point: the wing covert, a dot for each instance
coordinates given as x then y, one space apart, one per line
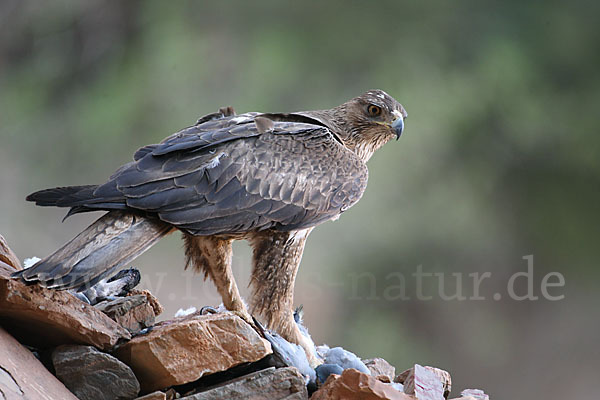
233 179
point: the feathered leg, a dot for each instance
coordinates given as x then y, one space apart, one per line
276 260
213 257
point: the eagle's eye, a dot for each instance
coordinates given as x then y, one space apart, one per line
373 110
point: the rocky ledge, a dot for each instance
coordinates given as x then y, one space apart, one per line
55 345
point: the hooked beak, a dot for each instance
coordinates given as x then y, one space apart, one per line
398 124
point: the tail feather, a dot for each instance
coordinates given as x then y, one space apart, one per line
109 243
80 198
68 196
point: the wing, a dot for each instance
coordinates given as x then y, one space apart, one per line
234 175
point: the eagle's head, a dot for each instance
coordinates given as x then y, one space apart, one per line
362 124
367 122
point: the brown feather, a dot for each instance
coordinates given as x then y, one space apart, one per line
269 178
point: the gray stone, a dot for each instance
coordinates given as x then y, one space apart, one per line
273 384
91 374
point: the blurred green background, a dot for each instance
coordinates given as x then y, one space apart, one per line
499 160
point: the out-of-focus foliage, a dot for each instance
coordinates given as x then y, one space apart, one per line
499 159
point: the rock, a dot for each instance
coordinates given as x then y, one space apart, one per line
153 301
91 374
471 397
158 395
444 377
425 383
353 384
476 394
378 367
185 349
22 376
7 256
28 310
281 383
133 313
6 269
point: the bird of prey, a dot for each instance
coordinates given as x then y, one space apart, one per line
268 178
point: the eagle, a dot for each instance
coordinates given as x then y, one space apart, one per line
268 178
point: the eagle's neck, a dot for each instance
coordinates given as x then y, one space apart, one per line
360 143
364 149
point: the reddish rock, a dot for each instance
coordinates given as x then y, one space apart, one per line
153 301
281 383
6 269
353 384
133 313
26 311
379 367
7 256
383 378
22 376
185 349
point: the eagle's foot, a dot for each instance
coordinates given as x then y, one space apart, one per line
309 349
290 329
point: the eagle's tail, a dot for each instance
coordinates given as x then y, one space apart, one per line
109 243
67 196
80 198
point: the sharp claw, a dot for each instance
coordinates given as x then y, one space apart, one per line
208 310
